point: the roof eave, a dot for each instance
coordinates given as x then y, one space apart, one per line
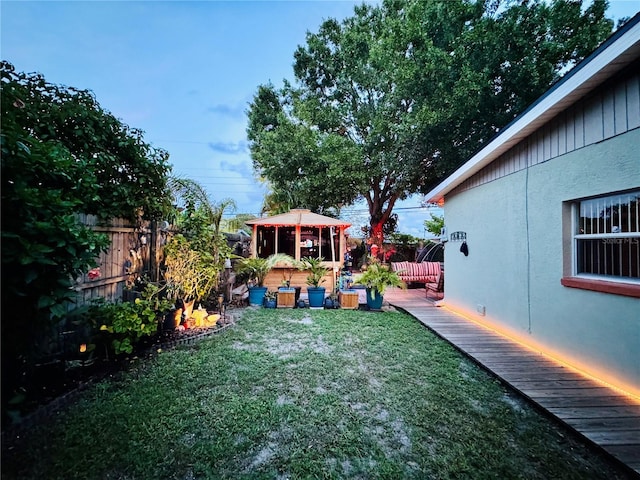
297 217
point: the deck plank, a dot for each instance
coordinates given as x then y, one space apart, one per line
611 424
571 414
600 414
572 392
542 383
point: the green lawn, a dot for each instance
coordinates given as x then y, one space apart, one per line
296 394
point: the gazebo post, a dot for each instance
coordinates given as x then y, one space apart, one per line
332 234
254 242
296 249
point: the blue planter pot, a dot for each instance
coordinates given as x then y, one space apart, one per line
316 297
374 299
256 295
271 303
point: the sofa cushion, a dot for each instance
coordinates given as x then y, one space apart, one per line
424 272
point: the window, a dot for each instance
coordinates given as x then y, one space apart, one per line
325 243
309 242
606 242
287 240
314 241
266 241
607 237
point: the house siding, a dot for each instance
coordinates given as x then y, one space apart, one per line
598 117
512 212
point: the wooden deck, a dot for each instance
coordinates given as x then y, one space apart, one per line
599 413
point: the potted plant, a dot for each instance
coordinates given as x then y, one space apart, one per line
315 276
376 279
286 295
253 272
286 287
270 300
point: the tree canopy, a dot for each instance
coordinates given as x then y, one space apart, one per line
394 98
201 220
118 174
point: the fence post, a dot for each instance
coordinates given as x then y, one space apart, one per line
154 252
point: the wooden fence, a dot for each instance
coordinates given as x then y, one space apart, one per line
134 251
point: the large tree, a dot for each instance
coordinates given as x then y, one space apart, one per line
299 161
391 100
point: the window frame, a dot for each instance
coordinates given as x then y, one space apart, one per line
617 285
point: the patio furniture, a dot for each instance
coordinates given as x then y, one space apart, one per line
436 287
423 272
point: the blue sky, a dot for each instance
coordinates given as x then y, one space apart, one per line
184 73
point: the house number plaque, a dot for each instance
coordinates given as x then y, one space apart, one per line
458 236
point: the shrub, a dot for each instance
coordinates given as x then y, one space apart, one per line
316 268
61 154
378 277
190 274
120 326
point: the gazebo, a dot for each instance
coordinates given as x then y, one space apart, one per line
298 233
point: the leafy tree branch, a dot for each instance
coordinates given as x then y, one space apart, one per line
391 100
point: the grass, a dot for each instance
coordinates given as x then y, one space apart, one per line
304 394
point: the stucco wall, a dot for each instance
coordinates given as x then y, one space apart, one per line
514 232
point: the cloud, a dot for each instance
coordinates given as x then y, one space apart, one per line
229 148
242 168
225 110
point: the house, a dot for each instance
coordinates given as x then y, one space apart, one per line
299 233
543 224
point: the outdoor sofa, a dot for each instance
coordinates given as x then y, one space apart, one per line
429 273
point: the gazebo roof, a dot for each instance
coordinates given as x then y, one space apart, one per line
299 216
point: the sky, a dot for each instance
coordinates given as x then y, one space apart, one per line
185 72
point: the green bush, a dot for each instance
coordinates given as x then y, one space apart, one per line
61 154
120 326
378 277
316 268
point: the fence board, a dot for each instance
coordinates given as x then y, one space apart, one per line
125 259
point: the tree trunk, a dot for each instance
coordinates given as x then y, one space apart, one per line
379 216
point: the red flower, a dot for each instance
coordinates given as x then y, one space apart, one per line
94 273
